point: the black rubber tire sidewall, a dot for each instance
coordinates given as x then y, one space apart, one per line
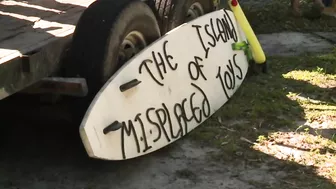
144 23
174 12
97 39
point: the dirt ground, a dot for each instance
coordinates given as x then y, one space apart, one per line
42 152
41 149
46 153
38 156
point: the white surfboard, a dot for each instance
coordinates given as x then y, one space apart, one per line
167 90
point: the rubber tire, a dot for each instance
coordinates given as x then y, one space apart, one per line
173 13
97 38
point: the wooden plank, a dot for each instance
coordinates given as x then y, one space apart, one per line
330 10
17 74
26 26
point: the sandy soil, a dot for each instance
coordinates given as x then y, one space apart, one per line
38 154
43 152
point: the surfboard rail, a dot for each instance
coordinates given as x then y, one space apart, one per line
155 102
169 88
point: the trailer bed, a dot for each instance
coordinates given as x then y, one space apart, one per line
26 26
33 37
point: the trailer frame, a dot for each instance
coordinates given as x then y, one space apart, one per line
37 69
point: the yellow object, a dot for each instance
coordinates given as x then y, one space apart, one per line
257 51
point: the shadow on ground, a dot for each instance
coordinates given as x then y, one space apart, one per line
41 148
44 152
269 109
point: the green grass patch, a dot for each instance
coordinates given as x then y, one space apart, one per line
275 16
267 111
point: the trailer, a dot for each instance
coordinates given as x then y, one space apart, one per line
71 47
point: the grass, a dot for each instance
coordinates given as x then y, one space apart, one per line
287 114
275 16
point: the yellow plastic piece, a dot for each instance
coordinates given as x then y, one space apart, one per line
257 51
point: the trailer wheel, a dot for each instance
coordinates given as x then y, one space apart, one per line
107 35
173 13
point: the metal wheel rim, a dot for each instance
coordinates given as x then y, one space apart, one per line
132 44
194 11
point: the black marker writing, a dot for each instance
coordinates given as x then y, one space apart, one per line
205 103
160 62
129 130
228 78
168 122
221 30
197 67
206 49
213 44
164 120
144 137
158 128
